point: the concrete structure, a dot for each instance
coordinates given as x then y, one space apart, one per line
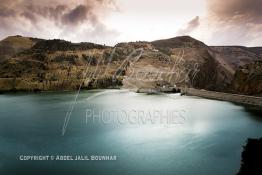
244 99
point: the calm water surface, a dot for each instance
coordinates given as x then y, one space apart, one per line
206 137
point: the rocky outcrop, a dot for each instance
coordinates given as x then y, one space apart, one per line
228 59
248 79
251 158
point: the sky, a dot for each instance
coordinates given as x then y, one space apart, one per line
215 22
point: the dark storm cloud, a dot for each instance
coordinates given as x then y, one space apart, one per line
78 15
52 12
239 11
237 21
191 25
65 12
30 16
36 17
6 12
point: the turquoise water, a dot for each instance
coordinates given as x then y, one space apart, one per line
205 136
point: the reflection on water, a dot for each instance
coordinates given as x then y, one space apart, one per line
207 139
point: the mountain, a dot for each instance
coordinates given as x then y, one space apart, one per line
31 64
179 42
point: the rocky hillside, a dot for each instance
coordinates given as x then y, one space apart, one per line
248 79
257 50
58 65
231 59
12 45
41 65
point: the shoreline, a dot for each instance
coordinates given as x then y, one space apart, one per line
52 91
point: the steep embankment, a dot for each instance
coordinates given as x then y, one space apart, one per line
195 66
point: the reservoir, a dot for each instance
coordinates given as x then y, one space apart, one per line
124 132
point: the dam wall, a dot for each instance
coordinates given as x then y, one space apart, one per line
244 99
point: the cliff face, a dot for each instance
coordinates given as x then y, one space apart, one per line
248 79
229 58
180 61
43 65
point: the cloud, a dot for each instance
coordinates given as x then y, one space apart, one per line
191 26
77 15
236 11
52 12
235 21
6 12
53 18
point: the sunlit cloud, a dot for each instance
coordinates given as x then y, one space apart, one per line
215 22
